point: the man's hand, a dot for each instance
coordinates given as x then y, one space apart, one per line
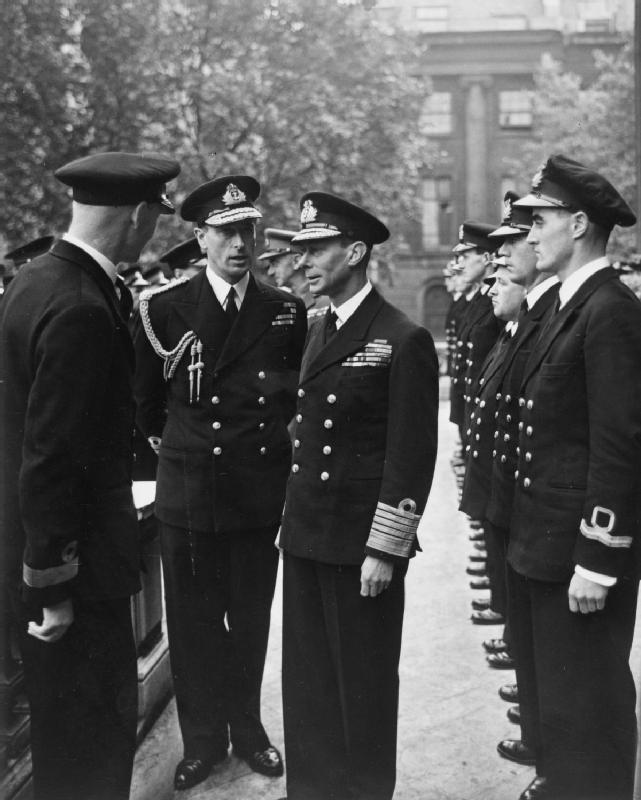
55 622
376 576
585 595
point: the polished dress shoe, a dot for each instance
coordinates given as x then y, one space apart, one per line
500 660
480 583
509 693
514 714
494 645
480 605
537 790
479 546
476 524
487 617
190 772
477 536
477 571
268 761
478 557
515 750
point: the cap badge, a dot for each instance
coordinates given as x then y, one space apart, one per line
233 195
507 210
308 213
537 180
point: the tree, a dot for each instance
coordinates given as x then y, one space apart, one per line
301 93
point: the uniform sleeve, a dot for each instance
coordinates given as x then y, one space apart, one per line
410 452
61 424
612 351
149 385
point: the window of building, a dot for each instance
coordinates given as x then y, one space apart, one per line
515 109
594 15
436 119
438 212
432 17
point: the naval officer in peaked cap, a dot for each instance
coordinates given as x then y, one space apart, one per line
573 547
218 359
364 452
70 532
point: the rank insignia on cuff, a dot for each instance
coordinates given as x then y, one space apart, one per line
393 529
52 576
602 533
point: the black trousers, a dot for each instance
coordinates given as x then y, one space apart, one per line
577 690
82 693
496 545
340 682
218 592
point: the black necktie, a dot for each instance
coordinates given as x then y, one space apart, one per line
125 300
231 309
330 325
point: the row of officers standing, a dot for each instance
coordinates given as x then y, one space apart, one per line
544 354
320 431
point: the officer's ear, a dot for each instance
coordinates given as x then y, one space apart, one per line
357 252
200 236
580 223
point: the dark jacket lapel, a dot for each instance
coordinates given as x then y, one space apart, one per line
255 315
202 313
561 318
349 338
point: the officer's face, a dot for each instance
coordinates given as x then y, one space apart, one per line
474 265
552 239
520 260
281 268
327 267
229 248
506 295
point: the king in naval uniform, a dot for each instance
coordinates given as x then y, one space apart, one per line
364 452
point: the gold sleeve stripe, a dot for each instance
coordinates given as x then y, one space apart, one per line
42 578
393 530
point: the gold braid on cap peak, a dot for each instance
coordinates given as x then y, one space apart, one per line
170 357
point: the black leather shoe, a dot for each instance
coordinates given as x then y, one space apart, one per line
476 524
267 762
477 536
480 583
478 571
509 693
478 557
480 605
500 660
487 617
514 714
479 546
515 750
537 790
190 772
494 645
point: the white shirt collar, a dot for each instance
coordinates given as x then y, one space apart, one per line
575 281
108 266
511 326
346 309
537 292
221 287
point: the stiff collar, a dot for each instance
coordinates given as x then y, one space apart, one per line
537 292
346 309
575 281
108 266
221 287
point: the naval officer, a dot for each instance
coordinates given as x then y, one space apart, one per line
70 534
573 541
218 359
364 452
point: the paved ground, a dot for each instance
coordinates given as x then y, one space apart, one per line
450 716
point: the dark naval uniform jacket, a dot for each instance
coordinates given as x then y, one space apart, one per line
220 403
67 421
508 408
579 469
480 434
365 438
